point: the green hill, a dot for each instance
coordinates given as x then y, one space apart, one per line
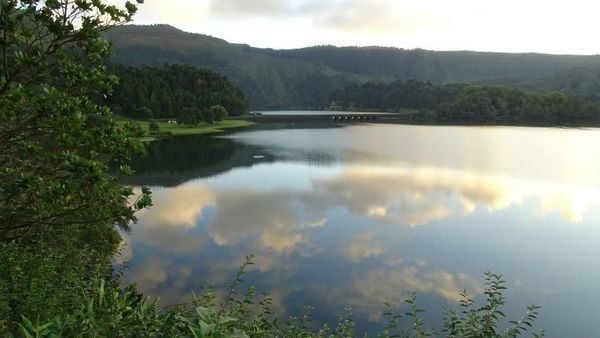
166 92
305 78
267 81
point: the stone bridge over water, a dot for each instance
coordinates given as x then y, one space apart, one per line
341 117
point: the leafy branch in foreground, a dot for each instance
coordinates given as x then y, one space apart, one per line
57 142
471 321
112 311
61 155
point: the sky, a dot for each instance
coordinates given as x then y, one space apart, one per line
550 26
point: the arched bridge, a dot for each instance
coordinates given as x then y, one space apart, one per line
327 116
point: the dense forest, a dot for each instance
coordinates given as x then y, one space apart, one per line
504 105
461 103
394 96
173 91
305 78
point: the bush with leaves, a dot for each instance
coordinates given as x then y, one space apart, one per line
471 321
218 112
56 192
153 127
57 143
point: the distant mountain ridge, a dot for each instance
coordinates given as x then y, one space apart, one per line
305 78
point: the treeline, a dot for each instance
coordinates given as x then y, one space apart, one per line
174 91
462 103
394 96
507 105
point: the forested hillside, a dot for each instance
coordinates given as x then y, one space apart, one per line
490 105
305 78
267 81
167 91
470 104
394 96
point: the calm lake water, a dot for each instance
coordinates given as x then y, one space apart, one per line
358 214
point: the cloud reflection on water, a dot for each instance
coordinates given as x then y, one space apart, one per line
271 216
364 245
366 290
178 207
282 219
284 227
396 285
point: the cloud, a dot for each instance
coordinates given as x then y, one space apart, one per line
416 196
171 240
362 246
570 208
170 224
365 16
149 275
250 7
179 207
495 194
386 16
270 218
163 278
268 262
412 196
366 292
283 220
396 285
185 12
432 24
281 224
352 16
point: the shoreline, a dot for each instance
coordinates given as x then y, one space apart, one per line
171 130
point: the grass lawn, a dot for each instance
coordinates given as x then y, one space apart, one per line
201 128
177 129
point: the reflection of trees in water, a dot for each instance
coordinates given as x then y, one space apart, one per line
172 161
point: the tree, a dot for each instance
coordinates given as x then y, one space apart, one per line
154 127
59 202
188 116
208 116
218 112
162 92
57 143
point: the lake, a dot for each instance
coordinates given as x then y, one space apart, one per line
354 215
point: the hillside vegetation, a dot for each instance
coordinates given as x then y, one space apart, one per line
305 78
469 103
170 90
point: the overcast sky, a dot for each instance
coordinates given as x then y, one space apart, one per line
548 26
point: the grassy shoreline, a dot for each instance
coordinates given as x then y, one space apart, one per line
170 129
